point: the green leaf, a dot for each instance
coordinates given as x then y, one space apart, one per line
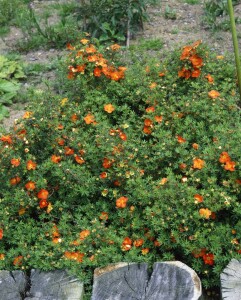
7 86
3 112
7 97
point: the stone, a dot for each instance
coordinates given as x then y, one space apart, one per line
231 281
12 285
54 285
169 280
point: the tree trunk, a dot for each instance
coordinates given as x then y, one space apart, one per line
169 280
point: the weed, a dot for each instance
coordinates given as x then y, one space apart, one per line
170 13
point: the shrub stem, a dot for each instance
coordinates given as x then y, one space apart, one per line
235 43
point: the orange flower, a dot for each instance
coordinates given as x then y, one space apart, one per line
55 159
30 186
196 61
90 49
68 151
115 47
97 72
21 211
56 240
15 180
163 181
27 115
126 244
49 208
138 242
109 108
199 253
74 118
198 198
198 163
15 162
43 203
148 122
117 183
31 165
18 260
144 251
70 47
70 75
224 158
83 234
122 69
61 142
84 41
2 256
213 94
147 69
89 118
116 75
195 73
107 163
195 146
123 136
181 139
205 213
74 256
208 259
43 194
79 159
104 216
150 109
184 73
121 202
186 52
158 119
60 127
153 85
1 233
157 243
103 175
209 78
230 166
182 166
6 139
147 130
161 74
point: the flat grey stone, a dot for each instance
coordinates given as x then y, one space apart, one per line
12 285
169 281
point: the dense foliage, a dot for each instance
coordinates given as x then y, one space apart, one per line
136 163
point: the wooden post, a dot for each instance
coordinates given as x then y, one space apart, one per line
231 280
169 280
235 44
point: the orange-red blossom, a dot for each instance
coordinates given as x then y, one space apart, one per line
225 159
121 202
126 244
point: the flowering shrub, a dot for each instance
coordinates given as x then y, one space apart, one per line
132 164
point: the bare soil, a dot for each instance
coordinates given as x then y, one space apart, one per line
187 27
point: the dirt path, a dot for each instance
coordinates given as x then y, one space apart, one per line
188 26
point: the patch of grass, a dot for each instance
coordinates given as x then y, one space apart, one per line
152 44
170 13
174 31
192 2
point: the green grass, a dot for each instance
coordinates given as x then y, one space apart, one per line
146 45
